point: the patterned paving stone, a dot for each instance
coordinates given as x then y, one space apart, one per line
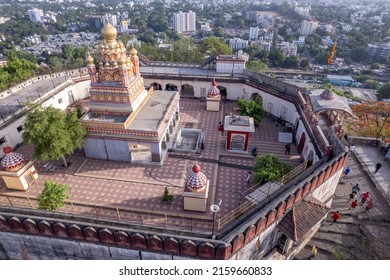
136 190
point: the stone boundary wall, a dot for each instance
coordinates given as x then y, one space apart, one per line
174 245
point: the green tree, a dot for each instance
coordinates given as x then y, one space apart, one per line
276 57
53 133
269 168
384 91
212 45
53 196
291 62
304 63
359 54
256 66
251 109
371 84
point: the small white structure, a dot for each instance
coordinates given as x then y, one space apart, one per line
17 174
196 190
213 98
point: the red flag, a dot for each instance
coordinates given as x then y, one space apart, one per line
332 52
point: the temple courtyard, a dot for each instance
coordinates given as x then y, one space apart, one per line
131 193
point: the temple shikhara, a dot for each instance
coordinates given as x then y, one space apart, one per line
126 121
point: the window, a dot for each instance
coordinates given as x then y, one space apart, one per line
269 107
29 178
60 101
283 113
20 128
2 140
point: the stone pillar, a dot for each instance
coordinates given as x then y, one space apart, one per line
174 123
156 152
170 128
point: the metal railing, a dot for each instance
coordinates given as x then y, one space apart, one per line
129 215
248 204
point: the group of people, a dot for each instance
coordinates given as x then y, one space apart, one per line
364 199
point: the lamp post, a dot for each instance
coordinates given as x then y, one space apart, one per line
214 208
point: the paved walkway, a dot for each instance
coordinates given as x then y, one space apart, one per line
357 234
138 189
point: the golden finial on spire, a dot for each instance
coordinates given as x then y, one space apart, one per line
89 59
133 51
109 32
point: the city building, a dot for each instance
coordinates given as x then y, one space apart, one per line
184 22
308 27
4 20
287 48
231 64
379 50
254 33
300 43
124 122
35 15
112 19
238 43
341 80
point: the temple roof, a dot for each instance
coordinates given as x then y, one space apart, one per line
327 100
11 159
301 219
196 179
214 90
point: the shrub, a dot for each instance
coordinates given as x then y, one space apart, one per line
53 196
251 109
269 168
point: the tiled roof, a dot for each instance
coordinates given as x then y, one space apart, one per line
196 179
301 219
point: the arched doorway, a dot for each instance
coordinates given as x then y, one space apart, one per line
257 97
187 91
301 142
223 92
237 143
156 86
170 87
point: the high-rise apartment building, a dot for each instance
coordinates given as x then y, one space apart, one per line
308 27
254 33
184 22
35 15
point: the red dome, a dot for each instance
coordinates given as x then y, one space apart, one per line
196 168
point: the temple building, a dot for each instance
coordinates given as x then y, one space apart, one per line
17 174
126 121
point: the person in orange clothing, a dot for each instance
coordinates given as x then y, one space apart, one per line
335 216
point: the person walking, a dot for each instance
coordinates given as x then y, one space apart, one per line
254 150
346 172
377 167
288 148
351 149
369 205
364 197
249 177
355 189
346 138
314 251
353 205
335 216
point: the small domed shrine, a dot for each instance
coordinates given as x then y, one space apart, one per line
126 121
196 190
213 98
17 174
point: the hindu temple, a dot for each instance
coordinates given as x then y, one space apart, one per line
126 121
